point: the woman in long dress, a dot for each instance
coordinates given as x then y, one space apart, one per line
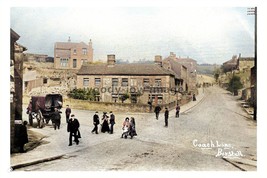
105 127
132 128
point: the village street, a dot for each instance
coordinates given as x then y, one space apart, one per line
216 134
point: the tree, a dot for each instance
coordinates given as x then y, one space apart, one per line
235 84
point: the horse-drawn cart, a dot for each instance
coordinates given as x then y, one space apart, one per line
42 108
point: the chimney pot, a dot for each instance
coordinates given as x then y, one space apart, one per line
111 60
158 60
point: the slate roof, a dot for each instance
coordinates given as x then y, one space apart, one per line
175 66
232 61
69 45
124 69
185 60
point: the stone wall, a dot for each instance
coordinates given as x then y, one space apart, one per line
111 106
108 106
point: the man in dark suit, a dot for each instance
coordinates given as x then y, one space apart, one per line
56 120
67 112
166 114
157 110
73 126
95 122
112 122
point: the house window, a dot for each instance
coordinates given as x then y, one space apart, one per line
86 82
115 82
133 98
97 81
157 82
64 62
146 82
74 63
155 98
124 82
45 81
84 50
84 61
74 51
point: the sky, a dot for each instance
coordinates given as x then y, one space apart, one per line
206 34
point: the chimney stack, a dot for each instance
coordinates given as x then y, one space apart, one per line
111 60
158 60
172 55
90 43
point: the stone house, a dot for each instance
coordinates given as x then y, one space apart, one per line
143 82
230 65
69 55
180 70
31 80
186 68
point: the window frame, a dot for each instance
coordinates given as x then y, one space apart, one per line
86 82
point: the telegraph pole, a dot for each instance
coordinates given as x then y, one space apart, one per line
253 11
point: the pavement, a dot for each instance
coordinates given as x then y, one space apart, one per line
55 144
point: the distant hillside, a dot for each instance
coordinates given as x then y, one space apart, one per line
207 69
205 79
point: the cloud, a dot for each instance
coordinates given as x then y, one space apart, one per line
207 34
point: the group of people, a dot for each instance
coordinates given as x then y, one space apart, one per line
128 128
107 122
166 113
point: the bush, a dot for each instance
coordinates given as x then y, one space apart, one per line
235 84
83 94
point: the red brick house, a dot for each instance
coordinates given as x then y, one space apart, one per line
69 55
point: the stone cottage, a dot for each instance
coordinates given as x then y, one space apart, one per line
143 82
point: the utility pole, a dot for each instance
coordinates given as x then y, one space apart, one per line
253 11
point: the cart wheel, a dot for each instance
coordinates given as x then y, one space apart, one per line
41 123
40 119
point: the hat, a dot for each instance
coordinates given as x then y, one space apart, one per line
96 112
110 112
72 115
